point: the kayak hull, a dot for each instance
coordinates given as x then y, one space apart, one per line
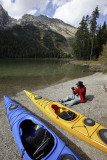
84 128
17 116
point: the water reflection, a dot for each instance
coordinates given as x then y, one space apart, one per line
19 74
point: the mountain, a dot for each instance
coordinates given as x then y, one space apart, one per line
31 42
34 36
41 21
32 20
58 26
55 25
5 19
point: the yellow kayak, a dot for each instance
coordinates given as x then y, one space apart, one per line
75 123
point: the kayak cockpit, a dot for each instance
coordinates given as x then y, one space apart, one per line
37 141
63 113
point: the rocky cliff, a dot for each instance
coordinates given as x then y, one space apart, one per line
44 22
41 21
34 36
5 19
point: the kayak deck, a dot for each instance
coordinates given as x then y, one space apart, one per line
34 140
75 123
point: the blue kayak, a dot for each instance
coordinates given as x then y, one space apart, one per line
35 141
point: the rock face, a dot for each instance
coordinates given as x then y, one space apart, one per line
43 22
58 26
49 36
29 19
5 19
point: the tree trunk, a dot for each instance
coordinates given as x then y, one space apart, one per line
92 48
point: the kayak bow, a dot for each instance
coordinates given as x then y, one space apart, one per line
84 128
35 141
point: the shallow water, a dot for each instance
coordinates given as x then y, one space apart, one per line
30 74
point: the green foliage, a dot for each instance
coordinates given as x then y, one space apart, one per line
82 40
101 39
93 21
93 29
26 42
90 38
103 56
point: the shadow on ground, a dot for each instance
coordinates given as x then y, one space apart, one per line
89 97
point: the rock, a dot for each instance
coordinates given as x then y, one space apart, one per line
5 19
41 21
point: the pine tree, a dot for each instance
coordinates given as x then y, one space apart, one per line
81 43
101 39
104 33
93 29
98 47
90 37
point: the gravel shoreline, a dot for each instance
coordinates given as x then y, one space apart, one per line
94 108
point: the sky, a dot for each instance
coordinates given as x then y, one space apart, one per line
69 11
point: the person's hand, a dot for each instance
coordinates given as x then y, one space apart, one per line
74 88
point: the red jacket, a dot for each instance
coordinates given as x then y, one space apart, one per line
81 92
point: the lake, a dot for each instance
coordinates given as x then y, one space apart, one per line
32 74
